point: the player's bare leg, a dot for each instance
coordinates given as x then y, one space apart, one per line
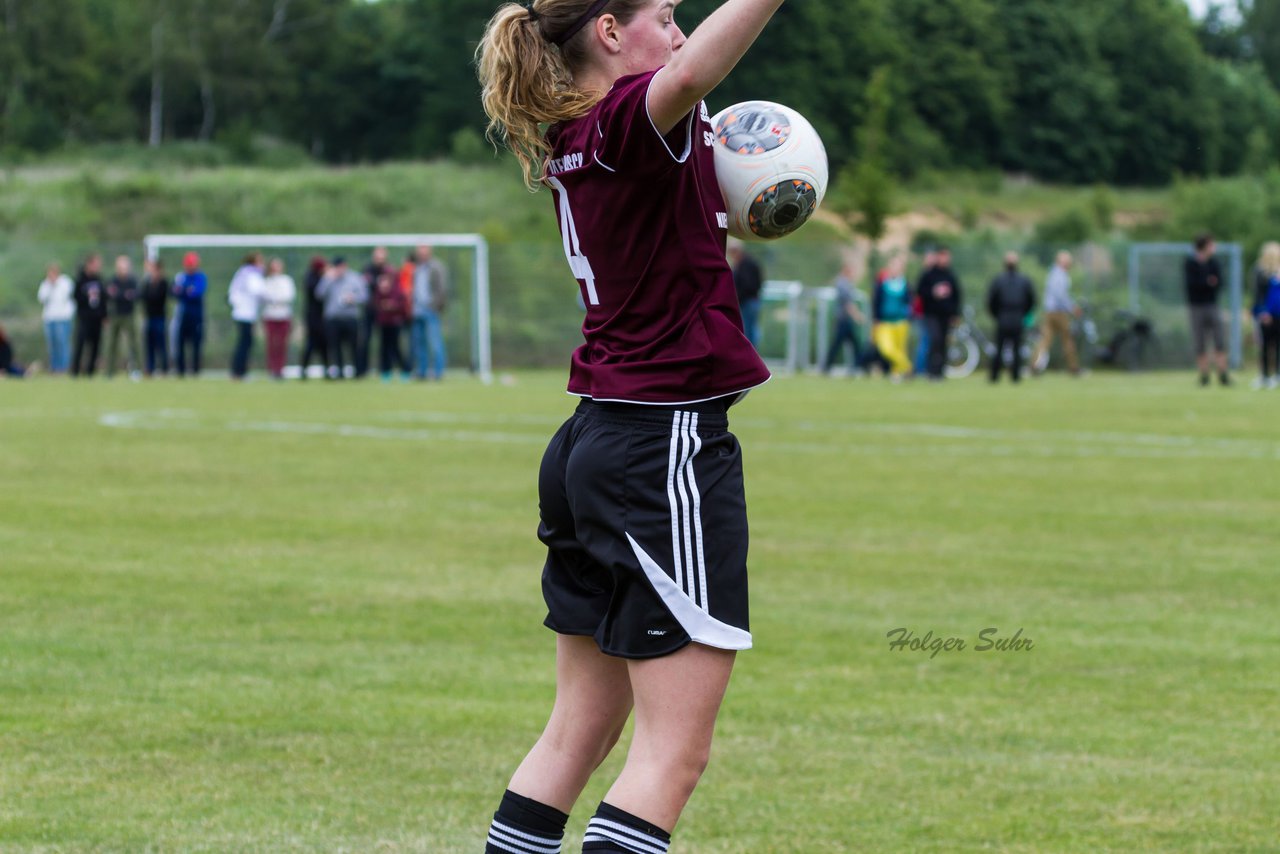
677 698
593 701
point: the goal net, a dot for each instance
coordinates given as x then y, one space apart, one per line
466 322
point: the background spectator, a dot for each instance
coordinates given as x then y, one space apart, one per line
91 314
122 296
920 362
245 295
376 267
1010 299
848 318
155 299
57 298
9 367
278 294
940 301
1204 284
189 287
1266 308
391 312
890 313
345 294
430 299
317 341
1059 308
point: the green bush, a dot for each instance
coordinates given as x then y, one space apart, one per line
1102 205
469 148
1244 210
1069 227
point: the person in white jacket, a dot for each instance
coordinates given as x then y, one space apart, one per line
57 296
245 297
278 294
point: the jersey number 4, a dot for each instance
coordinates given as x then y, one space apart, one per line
578 262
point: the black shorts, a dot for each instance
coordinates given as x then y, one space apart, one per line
645 521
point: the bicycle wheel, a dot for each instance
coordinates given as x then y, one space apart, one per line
963 355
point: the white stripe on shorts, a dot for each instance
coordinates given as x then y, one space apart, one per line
686 458
701 590
672 468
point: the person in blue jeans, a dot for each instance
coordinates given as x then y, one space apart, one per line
189 287
849 318
155 299
57 296
430 299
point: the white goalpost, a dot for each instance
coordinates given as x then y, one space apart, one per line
481 335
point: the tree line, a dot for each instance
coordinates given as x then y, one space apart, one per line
1077 91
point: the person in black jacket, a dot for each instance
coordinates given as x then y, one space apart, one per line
155 298
1010 299
1204 284
317 342
91 314
940 301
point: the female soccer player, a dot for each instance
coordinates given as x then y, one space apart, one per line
642 505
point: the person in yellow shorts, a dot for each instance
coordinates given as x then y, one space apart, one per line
890 316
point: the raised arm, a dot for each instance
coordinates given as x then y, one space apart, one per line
706 58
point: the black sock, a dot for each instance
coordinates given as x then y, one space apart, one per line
524 826
612 830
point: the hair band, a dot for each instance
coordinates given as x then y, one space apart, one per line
596 8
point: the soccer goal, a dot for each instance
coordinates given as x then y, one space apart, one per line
465 255
784 326
1157 293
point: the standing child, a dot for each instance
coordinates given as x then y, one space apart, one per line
643 509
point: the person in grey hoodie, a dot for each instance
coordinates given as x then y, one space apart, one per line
430 297
1059 308
345 294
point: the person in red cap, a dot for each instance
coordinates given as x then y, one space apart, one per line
189 287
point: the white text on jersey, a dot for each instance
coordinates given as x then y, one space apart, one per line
559 165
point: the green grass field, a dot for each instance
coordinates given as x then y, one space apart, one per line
306 617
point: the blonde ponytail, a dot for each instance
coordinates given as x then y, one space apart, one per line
527 82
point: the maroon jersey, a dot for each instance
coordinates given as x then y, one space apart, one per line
644 229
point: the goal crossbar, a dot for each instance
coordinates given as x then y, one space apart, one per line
482 345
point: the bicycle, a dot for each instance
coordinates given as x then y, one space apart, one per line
968 345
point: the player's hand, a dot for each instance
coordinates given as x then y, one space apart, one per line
1265 318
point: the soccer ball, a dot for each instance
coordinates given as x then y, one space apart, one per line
771 166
